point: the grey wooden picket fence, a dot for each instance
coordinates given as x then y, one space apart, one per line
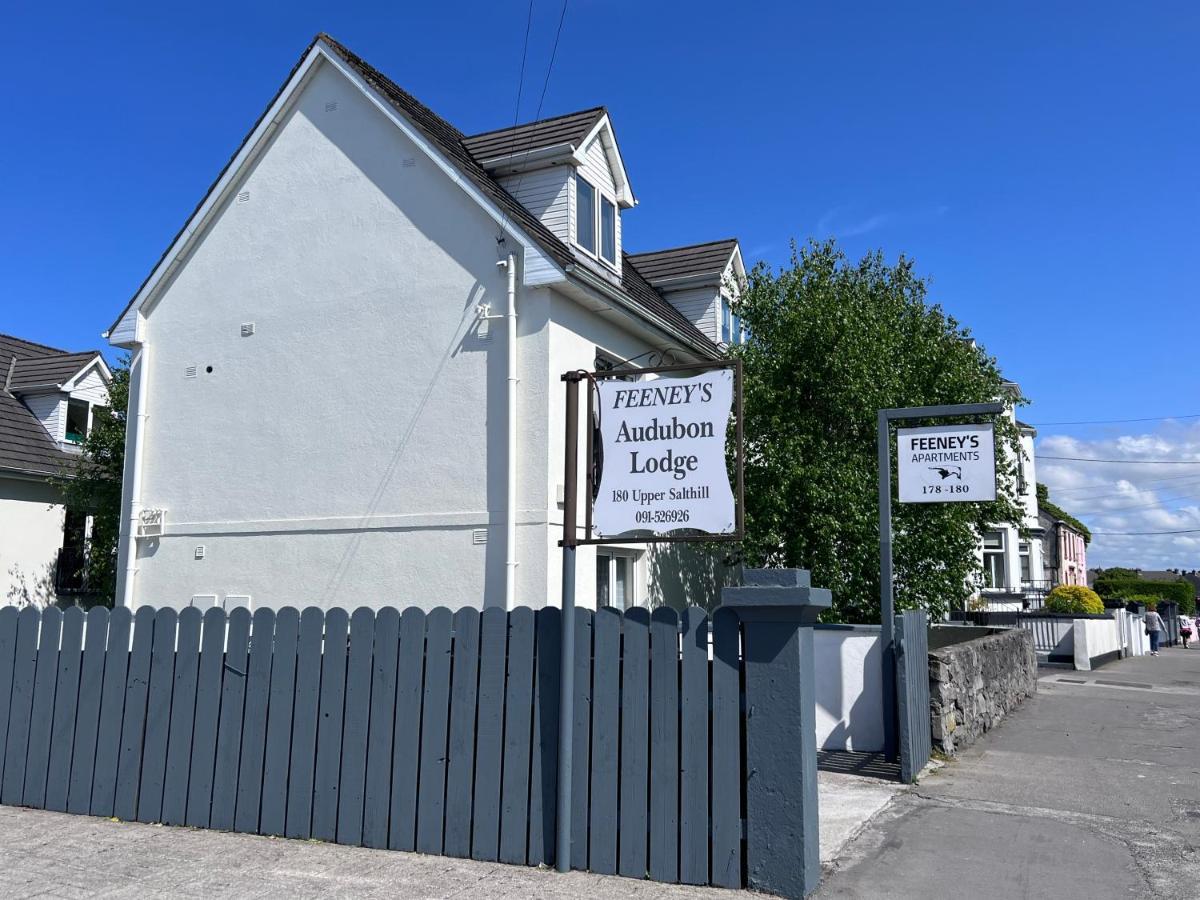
430 731
912 692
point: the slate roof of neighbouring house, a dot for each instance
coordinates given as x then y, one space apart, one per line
571 128
24 444
453 143
682 262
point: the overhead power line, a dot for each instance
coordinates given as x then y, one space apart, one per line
1140 485
1130 462
1142 533
1117 421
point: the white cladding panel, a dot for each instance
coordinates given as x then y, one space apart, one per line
546 194
92 388
51 410
596 169
702 308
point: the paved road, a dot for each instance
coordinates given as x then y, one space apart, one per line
1089 790
44 854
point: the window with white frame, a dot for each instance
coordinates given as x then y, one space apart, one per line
726 321
595 221
77 420
993 560
615 578
1026 569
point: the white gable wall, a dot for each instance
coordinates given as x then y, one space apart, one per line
31 523
348 450
91 387
545 193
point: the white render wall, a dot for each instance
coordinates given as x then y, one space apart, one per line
31 533
849 689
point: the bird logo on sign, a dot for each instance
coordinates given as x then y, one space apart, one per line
946 472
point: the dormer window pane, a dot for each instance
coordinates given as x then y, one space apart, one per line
726 322
77 421
608 230
585 215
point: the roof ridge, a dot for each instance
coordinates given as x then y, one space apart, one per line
13 337
578 112
730 240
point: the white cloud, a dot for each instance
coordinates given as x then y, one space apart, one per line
1133 495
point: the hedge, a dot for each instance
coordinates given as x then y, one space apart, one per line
1074 598
1181 592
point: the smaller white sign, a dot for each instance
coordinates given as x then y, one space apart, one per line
663 442
946 463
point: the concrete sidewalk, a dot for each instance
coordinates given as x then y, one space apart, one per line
48 854
1090 790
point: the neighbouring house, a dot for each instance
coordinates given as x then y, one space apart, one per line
1014 574
346 368
49 400
1064 544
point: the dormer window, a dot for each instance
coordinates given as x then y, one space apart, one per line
595 215
77 420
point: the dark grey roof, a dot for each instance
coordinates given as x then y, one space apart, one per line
571 128
22 349
452 142
46 371
681 262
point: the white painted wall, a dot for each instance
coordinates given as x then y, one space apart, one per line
849 690
1094 638
31 533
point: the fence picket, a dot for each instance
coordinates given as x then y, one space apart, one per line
183 718
435 710
664 745
518 722
354 732
543 787
635 744
254 722
91 681
273 818
8 655
582 738
45 675
229 727
21 708
112 712
460 767
208 708
407 748
304 724
158 716
726 850
66 710
485 828
694 749
329 728
378 800
606 735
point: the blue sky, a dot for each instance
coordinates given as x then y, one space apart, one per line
1038 160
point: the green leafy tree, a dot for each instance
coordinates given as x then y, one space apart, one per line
831 343
93 487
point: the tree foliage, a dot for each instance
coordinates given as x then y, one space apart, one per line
831 343
1043 495
1117 587
93 487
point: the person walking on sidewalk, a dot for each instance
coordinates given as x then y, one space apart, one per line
1154 627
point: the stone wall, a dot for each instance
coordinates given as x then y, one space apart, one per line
973 685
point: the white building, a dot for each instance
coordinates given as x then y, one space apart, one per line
49 400
346 369
1013 564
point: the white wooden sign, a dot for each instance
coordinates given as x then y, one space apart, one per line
947 463
663 441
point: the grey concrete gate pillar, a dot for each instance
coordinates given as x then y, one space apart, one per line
777 608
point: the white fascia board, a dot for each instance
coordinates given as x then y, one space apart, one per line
534 257
128 331
523 160
625 198
70 384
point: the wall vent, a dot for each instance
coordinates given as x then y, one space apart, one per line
479 536
201 552
331 106
237 601
243 196
408 162
190 372
247 329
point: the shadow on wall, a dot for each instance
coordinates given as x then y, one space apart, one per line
683 575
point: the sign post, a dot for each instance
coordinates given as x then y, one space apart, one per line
659 475
938 464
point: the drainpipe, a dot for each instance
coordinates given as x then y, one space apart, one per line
510 535
134 441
